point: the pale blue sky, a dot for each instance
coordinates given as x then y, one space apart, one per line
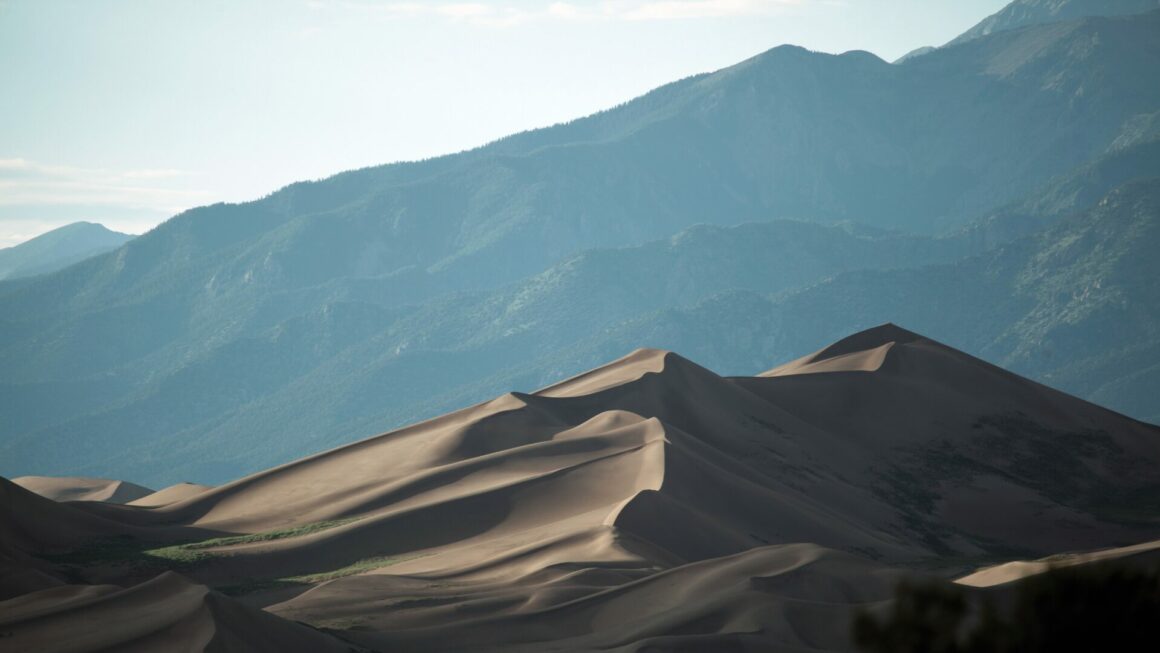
128 111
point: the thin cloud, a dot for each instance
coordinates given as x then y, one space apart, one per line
30 184
499 14
692 9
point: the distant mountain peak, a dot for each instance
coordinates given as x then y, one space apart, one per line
58 249
785 49
1026 13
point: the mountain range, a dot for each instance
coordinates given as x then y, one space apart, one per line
997 193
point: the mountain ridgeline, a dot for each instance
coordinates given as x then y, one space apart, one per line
1026 13
58 249
743 216
1074 305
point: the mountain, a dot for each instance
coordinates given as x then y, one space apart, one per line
733 297
1072 305
58 249
917 52
434 284
646 504
351 365
1027 13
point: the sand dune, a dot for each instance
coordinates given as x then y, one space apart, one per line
647 503
1145 554
31 522
82 489
171 494
797 597
151 616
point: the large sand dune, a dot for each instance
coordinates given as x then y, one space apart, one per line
83 489
171 494
162 614
648 503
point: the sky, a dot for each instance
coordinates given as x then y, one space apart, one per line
126 112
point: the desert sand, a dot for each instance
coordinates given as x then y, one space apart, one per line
83 489
168 495
647 504
1145 555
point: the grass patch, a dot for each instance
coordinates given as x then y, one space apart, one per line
269 536
343 623
176 556
349 570
257 585
147 556
127 550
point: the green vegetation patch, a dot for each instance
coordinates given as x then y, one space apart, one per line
131 551
268 536
350 570
146 556
260 584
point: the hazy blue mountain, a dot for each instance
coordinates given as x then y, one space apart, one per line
744 298
1135 154
1075 306
927 146
1026 13
350 366
917 52
235 336
57 249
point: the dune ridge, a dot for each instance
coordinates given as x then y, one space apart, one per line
164 610
83 489
167 495
647 503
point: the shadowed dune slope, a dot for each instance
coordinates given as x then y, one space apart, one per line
647 504
797 596
167 613
854 447
33 523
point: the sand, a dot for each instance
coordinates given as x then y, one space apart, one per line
1145 555
152 616
82 489
171 494
647 503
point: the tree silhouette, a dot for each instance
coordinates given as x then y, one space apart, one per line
1101 608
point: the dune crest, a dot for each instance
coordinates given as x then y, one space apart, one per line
1145 554
83 489
172 494
650 502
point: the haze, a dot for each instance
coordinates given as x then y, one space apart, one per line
128 112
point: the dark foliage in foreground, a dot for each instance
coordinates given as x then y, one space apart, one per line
1070 609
